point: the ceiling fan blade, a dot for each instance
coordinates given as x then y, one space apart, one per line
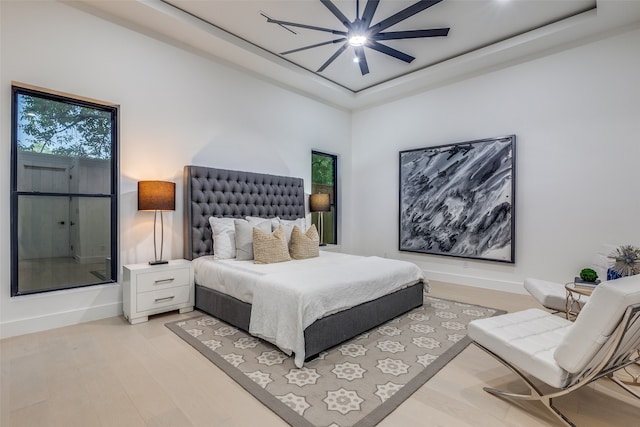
412 34
309 27
369 11
404 14
362 60
334 9
313 45
390 51
333 57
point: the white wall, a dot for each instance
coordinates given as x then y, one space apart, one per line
576 115
176 108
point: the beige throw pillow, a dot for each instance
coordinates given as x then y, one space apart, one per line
270 247
305 245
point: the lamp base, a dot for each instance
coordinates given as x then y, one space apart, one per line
158 262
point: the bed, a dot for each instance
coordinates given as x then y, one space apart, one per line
236 194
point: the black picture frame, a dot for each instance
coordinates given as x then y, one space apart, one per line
459 200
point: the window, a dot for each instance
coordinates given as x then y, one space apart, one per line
64 182
324 168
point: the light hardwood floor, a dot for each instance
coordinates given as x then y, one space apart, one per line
109 373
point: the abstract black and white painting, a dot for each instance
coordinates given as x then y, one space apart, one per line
459 199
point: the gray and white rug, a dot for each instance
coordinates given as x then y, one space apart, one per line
357 383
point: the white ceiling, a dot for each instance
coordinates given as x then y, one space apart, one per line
483 34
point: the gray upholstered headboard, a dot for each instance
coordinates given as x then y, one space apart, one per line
234 194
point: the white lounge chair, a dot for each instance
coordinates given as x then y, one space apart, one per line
563 354
553 295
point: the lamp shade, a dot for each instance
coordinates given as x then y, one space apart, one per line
319 203
156 196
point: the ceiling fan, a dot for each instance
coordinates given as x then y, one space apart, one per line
360 33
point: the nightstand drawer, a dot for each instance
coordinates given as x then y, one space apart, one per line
162 279
163 298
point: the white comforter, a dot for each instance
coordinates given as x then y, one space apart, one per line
288 297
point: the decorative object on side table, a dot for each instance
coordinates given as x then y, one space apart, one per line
148 290
157 196
588 277
627 262
320 203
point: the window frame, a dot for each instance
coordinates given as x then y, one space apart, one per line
18 89
334 202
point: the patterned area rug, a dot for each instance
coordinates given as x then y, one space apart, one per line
357 383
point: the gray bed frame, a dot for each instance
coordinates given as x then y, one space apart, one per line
235 194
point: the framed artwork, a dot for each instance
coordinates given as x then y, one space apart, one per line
459 200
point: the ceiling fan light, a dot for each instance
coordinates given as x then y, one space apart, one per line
357 40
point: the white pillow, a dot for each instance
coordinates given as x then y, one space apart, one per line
244 236
288 224
224 237
275 222
300 222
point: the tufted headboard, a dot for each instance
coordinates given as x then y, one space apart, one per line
234 194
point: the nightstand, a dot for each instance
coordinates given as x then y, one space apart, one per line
152 289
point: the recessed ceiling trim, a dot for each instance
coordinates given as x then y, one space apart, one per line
170 24
165 6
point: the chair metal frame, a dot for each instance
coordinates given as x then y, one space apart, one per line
616 353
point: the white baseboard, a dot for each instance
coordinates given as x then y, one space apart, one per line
58 320
86 314
475 281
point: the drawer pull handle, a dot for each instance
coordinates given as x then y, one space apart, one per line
159 281
165 298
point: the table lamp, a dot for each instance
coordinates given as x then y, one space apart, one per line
320 203
157 196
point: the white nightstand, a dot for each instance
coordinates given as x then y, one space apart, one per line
152 289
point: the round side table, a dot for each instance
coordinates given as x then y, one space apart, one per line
575 298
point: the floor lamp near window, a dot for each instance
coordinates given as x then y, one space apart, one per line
157 196
320 203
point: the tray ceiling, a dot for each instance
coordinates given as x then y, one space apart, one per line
473 25
483 34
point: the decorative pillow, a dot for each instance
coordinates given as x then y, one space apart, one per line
224 237
275 222
288 224
270 247
244 237
300 222
305 245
